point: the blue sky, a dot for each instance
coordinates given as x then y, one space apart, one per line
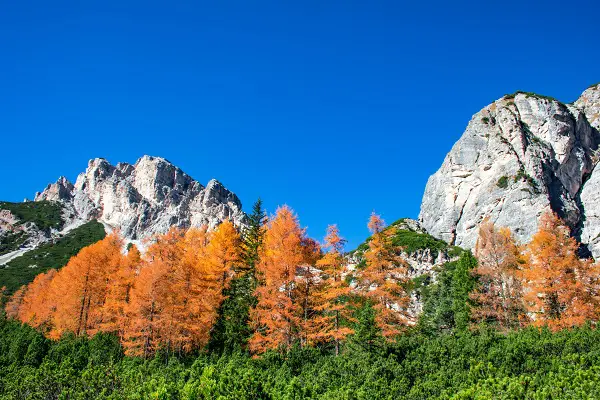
335 108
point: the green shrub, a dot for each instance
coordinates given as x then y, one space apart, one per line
502 182
480 364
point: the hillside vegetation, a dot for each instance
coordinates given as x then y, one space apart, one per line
269 315
44 214
56 254
410 240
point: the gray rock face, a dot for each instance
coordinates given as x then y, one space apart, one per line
589 102
518 157
143 199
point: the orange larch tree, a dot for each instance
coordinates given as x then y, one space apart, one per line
119 292
140 331
560 289
39 301
276 318
81 287
307 280
225 252
155 298
383 280
175 299
499 296
331 297
200 290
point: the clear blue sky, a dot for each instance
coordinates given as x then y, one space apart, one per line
336 108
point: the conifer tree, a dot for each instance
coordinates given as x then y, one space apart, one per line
498 295
81 287
14 304
308 280
367 334
119 293
560 289
332 295
254 234
276 317
463 283
175 299
232 329
383 279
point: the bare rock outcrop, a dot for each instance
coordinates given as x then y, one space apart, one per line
143 199
519 156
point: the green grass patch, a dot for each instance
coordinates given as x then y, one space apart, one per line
411 241
19 271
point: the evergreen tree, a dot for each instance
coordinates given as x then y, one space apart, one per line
462 285
446 304
232 330
253 236
367 335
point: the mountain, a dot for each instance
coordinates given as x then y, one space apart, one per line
519 156
139 200
143 199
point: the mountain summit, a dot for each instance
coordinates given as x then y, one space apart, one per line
142 199
519 156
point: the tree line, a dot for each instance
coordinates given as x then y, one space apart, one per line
268 287
271 287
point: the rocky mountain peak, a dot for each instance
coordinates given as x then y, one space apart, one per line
145 198
61 190
519 156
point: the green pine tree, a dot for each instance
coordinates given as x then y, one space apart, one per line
232 330
253 235
463 283
367 336
446 304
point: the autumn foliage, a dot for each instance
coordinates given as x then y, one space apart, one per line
561 290
499 296
331 295
277 317
383 279
170 296
173 296
543 283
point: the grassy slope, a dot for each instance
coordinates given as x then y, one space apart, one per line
50 255
411 241
44 214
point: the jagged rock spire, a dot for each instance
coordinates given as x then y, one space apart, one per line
145 198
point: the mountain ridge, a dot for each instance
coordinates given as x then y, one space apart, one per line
142 199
